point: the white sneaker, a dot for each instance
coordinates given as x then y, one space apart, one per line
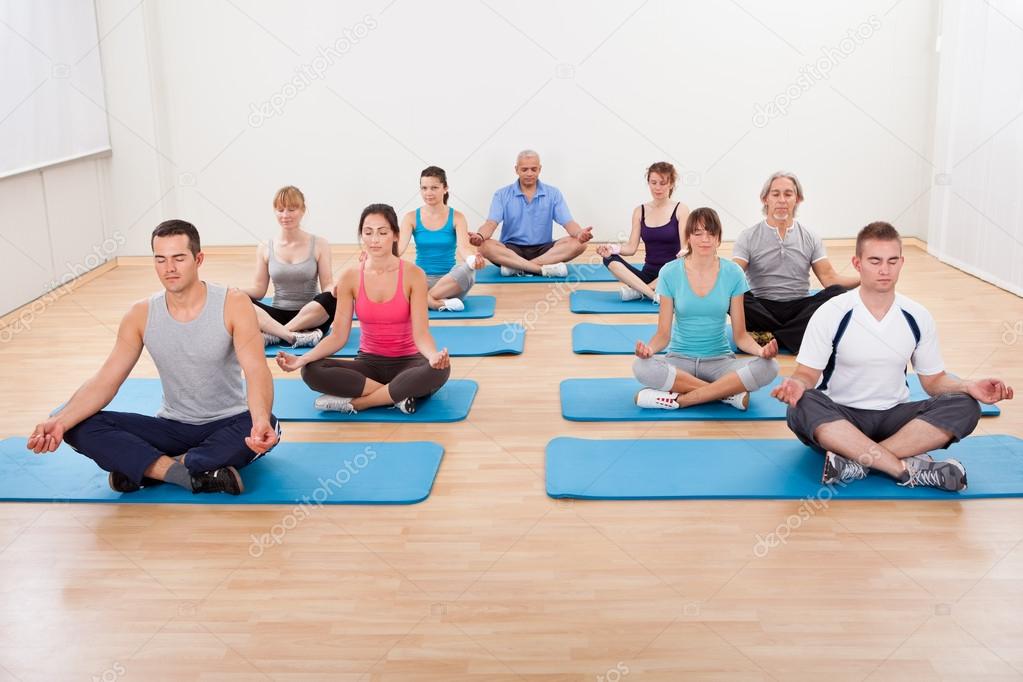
554 270
739 401
629 294
307 339
657 299
270 340
333 403
651 397
510 272
454 305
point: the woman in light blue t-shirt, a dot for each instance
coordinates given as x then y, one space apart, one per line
698 293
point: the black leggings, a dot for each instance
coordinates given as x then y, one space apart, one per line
408 376
324 298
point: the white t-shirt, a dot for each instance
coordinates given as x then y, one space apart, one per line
871 358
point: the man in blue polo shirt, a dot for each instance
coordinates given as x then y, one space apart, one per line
527 210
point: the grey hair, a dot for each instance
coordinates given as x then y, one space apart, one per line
526 154
767 188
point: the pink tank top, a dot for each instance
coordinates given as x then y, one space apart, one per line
386 327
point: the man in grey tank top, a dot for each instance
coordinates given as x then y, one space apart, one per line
202 338
777 254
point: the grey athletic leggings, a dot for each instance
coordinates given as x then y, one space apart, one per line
659 371
405 377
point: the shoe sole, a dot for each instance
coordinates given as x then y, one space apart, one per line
962 468
824 474
238 479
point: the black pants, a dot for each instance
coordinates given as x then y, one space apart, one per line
787 320
129 443
324 298
405 377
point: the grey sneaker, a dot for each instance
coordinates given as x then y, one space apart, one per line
333 403
839 469
307 339
270 340
948 475
554 270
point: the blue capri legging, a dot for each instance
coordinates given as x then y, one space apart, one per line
648 274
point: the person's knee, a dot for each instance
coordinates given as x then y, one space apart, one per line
310 372
80 432
440 376
651 372
578 247
966 409
761 373
489 247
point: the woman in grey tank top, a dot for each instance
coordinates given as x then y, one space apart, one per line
298 265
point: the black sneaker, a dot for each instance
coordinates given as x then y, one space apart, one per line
408 405
948 475
223 480
120 483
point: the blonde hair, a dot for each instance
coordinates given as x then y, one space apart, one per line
289 197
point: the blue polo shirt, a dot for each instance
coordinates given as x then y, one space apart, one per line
527 224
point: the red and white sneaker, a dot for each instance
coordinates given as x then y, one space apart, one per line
652 398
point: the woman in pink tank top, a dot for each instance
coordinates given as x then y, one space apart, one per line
398 362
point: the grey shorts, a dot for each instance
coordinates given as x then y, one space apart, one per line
955 413
463 275
659 371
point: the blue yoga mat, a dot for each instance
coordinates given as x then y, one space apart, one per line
610 302
460 341
613 400
619 339
293 401
577 272
609 339
476 308
309 474
756 469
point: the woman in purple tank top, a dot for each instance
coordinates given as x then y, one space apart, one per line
662 241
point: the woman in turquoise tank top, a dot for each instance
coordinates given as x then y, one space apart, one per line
698 293
443 252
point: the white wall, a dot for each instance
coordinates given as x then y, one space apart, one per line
53 230
602 90
977 206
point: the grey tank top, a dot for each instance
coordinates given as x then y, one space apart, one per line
201 377
294 283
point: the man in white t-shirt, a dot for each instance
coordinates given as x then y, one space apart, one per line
855 353
778 254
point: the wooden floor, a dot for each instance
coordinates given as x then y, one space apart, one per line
489 579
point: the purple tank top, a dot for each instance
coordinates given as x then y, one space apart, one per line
662 242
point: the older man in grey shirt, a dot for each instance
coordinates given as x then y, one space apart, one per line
777 254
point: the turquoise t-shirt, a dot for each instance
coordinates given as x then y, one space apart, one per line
699 329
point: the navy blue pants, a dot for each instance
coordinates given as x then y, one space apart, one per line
129 443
